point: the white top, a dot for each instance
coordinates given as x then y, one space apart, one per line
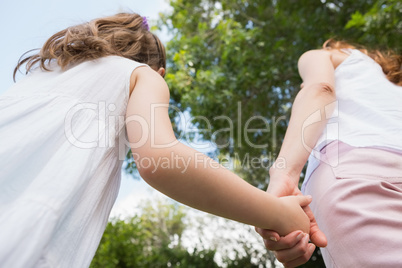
368 110
62 145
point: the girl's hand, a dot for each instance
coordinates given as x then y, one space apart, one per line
292 207
282 184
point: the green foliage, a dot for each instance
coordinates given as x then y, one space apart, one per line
233 66
381 25
151 239
154 238
234 63
124 244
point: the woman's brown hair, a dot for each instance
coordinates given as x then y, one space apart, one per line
390 62
124 34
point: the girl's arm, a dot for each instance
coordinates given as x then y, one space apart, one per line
189 176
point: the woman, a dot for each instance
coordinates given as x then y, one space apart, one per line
350 111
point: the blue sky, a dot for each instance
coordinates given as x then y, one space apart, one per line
27 25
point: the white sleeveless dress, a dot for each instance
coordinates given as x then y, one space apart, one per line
62 144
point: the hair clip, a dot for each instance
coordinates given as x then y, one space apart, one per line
145 23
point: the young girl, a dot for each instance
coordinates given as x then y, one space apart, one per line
62 132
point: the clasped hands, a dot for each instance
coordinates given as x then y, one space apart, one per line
293 249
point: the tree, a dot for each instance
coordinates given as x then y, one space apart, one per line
150 239
167 234
380 26
233 66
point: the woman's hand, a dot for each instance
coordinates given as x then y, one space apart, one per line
293 249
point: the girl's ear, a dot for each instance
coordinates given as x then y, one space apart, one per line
162 71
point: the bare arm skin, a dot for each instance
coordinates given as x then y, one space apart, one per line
315 98
200 183
314 101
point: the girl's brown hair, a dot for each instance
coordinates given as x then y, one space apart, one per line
390 62
123 34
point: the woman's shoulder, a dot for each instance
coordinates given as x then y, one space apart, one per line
334 55
339 56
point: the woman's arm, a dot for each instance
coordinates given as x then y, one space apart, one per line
189 176
312 107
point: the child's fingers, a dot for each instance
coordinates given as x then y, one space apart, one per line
304 200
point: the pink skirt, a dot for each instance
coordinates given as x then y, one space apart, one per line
358 205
